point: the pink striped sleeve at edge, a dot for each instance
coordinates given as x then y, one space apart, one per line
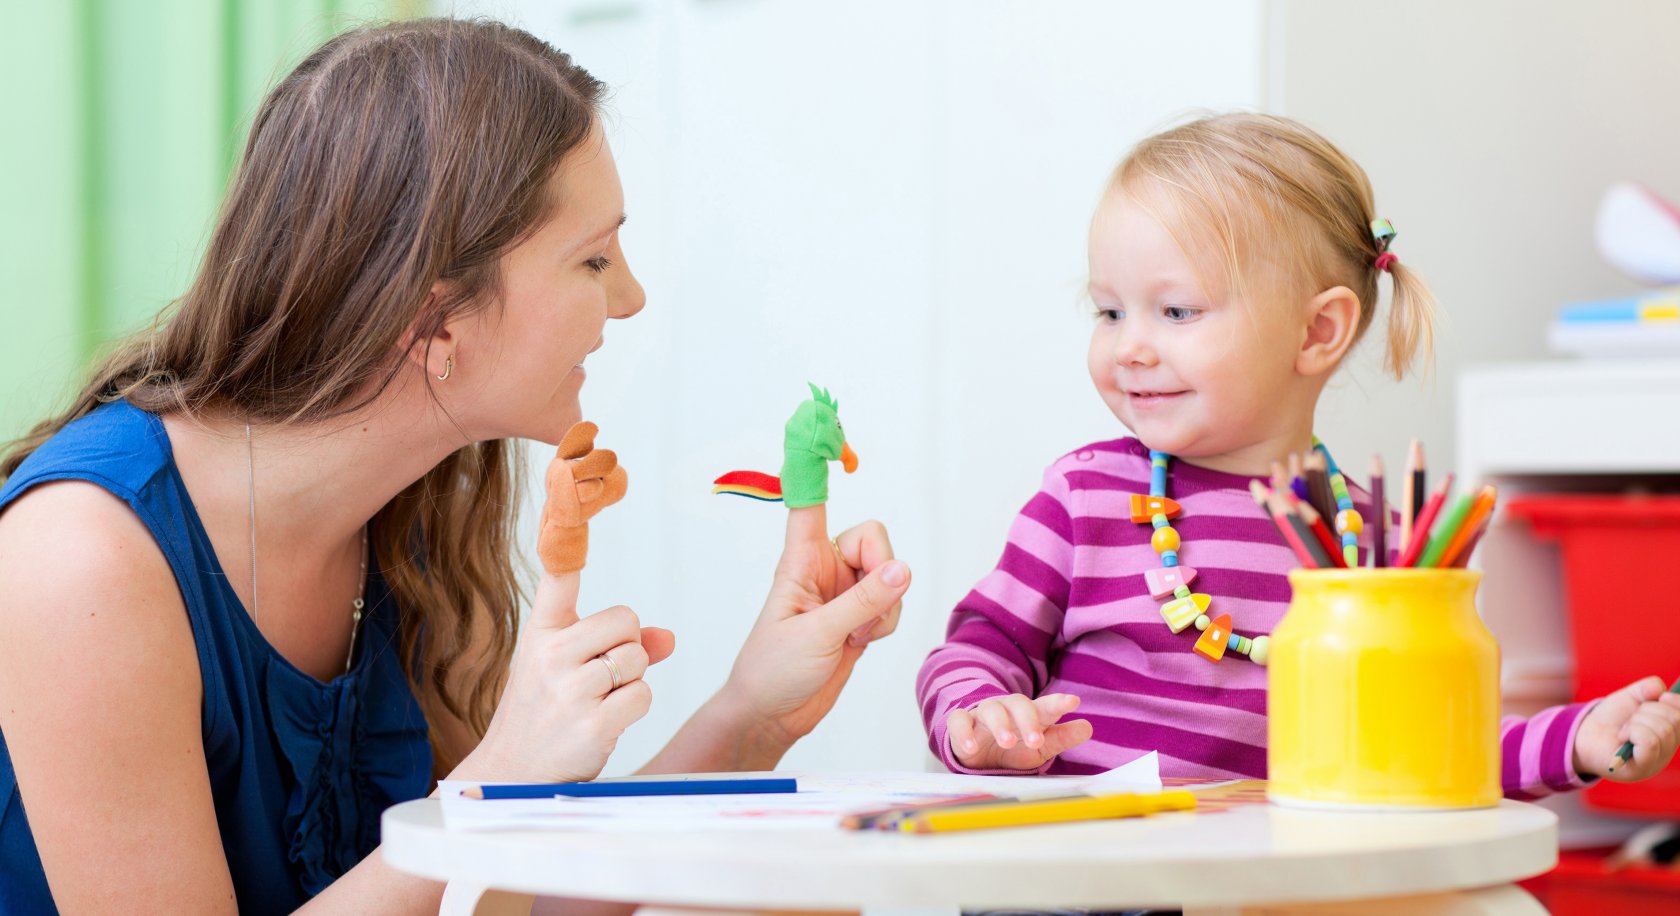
1537 754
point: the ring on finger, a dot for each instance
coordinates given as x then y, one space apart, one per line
612 671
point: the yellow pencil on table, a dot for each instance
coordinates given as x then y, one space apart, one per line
1048 811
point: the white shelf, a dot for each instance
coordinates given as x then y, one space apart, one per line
1569 417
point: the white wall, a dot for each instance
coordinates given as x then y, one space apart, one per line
1489 130
889 199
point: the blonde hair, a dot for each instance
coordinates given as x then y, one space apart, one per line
1263 189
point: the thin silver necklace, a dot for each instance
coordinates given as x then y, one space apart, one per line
361 594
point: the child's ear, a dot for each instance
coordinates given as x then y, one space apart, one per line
1332 321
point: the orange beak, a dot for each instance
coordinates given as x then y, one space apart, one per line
848 458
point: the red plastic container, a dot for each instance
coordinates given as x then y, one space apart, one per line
1621 571
1582 885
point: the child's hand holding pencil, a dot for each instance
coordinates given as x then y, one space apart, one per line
1643 714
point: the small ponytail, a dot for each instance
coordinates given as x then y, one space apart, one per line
1411 320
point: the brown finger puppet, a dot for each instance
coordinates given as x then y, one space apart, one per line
582 480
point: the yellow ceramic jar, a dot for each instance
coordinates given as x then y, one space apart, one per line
1384 692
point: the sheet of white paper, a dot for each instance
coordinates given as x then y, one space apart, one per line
819 804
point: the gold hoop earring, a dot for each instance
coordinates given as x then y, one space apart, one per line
448 369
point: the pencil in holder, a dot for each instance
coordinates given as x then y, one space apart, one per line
1384 692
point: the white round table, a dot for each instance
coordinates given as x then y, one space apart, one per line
1457 862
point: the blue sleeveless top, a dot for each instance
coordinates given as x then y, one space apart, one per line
299 770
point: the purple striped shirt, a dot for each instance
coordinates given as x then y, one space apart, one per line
1067 611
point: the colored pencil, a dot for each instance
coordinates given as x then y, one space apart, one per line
1420 481
1280 477
1290 505
1474 522
1321 531
1272 503
1379 507
1447 526
1049 811
884 818
1297 478
1347 545
1318 484
1470 546
1426 518
633 787
1411 492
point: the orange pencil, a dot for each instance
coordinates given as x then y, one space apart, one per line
1459 546
1420 529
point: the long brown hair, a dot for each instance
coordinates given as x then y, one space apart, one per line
1262 188
393 157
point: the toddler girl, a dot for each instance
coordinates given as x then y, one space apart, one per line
1234 261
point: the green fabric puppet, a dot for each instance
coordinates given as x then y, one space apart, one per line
812 438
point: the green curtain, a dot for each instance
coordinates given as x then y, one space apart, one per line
121 122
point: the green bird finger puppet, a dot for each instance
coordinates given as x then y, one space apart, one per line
812 438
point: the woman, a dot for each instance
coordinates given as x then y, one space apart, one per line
258 579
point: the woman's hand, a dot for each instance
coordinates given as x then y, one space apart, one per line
560 717
1015 732
1642 712
828 601
574 685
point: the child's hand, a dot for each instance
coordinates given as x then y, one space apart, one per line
1642 712
1015 732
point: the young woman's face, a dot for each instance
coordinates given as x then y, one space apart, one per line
1186 369
524 356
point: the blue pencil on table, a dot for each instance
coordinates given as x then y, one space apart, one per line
634 788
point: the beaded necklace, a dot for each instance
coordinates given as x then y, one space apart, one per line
1172 580
1348 521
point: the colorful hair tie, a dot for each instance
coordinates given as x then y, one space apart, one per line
1382 233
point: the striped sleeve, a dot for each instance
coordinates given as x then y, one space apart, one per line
1537 754
998 640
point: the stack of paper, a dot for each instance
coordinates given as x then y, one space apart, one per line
822 799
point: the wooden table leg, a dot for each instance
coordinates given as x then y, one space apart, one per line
463 899
695 911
